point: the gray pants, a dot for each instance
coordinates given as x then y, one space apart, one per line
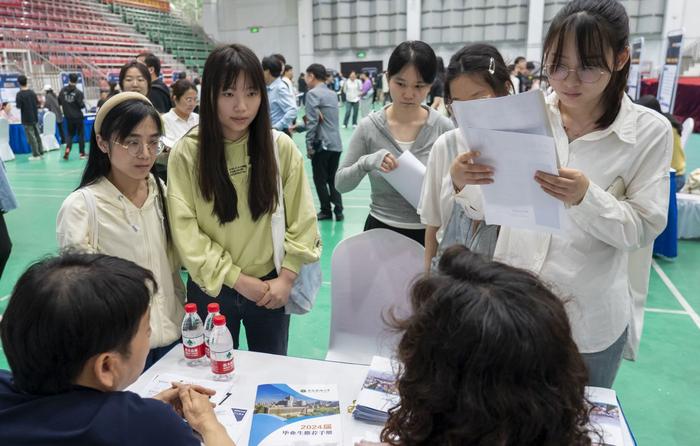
34 139
603 366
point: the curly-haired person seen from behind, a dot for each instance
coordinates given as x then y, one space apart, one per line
487 359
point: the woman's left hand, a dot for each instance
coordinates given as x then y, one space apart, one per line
278 294
570 186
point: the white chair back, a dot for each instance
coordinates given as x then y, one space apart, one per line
688 126
49 123
6 153
48 136
371 273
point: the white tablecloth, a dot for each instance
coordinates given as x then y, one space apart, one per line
688 215
253 369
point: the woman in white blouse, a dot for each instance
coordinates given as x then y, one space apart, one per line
614 181
181 118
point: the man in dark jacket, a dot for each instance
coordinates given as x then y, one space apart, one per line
160 93
28 104
72 102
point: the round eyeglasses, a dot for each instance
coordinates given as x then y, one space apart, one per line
135 148
585 75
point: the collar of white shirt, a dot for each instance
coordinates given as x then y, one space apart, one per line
624 126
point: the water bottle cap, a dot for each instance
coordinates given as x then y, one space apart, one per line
190 308
213 307
219 319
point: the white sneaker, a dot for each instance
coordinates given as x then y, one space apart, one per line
354 126
345 126
34 158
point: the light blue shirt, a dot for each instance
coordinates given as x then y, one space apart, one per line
283 106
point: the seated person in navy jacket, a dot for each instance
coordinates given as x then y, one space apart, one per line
75 333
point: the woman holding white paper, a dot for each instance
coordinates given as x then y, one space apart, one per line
402 126
614 157
476 71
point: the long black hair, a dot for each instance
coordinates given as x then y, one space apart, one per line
475 59
416 53
118 124
222 68
598 26
488 359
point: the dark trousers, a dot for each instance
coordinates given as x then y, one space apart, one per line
5 244
34 139
324 164
415 234
353 107
267 331
75 126
61 132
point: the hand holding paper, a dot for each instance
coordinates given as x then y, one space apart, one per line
464 171
406 176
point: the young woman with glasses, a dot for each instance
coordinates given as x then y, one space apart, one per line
120 208
614 181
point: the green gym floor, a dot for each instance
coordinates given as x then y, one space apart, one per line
659 391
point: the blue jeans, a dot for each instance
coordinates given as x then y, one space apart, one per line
603 366
267 331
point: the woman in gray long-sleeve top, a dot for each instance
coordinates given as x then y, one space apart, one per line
404 125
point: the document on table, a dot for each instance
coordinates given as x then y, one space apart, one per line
407 178
515 199
521 113
162 382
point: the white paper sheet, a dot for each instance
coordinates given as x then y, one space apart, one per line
522 113
407 178
163 381
235 420
515 199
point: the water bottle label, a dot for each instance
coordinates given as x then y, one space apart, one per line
194 347
221 362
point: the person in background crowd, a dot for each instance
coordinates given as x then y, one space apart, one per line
8 202
134 77
323 142
104 95
223 190
366 94
119 208
198 86
288 78
83 322
381 138
6 112
351 88
158 93
436 96
52 104
303 88
283 108
28 104
385 88
72 102
181 118
614 182
492 340
112 89
678 157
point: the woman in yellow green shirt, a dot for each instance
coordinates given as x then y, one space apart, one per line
222 192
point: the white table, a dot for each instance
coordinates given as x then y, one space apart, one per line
253 369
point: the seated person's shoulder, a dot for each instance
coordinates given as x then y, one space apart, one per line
156 421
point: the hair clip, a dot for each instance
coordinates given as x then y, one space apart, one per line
492 66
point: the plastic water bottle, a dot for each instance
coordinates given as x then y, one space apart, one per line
213 310
221 350
192 335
